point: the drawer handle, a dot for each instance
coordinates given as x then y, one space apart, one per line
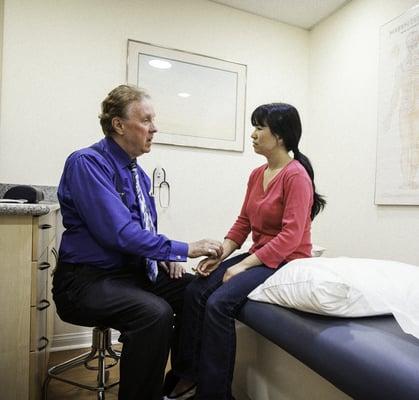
46 305
44 265
45 226
55 253
44 346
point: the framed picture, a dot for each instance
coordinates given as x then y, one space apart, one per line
397 172
199 100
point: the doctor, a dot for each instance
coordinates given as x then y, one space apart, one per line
114 268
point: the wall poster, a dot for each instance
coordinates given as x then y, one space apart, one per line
397 171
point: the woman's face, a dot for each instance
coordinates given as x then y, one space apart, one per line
264 142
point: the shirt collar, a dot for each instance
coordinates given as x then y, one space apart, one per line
121 157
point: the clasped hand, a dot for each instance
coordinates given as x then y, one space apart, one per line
209 265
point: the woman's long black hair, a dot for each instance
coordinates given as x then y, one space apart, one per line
284 122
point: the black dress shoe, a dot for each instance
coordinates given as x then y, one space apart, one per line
170 382
188 394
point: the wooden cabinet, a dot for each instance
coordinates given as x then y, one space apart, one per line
27 259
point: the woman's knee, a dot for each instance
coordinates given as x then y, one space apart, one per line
216 305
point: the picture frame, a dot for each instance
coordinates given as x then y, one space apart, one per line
199 100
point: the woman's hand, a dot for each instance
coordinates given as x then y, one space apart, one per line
173 269
249 262
207 265
234 270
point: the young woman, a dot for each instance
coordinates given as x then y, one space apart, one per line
280 203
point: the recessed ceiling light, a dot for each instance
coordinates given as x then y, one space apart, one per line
161 64
183 94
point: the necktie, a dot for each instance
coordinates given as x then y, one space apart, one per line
146 217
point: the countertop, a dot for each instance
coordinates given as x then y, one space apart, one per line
41 208
50 202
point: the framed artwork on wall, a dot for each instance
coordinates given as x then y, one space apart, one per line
397 171
199 100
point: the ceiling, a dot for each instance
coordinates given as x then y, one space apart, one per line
302 13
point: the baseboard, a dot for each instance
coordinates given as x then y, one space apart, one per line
78 340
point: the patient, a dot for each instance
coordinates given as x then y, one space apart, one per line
114 268
280 203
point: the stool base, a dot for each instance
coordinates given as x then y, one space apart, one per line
101 351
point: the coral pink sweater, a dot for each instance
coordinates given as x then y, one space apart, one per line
279 218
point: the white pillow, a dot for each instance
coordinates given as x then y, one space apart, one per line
346 287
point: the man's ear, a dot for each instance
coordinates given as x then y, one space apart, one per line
118 125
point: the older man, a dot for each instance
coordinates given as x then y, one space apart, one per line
114 268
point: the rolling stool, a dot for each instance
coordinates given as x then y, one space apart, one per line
101 350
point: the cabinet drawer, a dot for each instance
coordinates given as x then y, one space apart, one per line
43 232
39 316
37 373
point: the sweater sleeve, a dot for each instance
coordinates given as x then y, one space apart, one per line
297 207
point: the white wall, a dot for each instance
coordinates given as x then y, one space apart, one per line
342 134
62 57
1 41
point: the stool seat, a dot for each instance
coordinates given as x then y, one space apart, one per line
101 351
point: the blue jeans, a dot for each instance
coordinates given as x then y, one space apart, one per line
208 336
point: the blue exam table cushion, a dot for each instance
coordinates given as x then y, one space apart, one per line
367 358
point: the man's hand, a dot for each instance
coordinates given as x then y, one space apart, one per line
232 271
207 265
173 269
205 247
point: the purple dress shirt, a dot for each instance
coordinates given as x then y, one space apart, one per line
100 228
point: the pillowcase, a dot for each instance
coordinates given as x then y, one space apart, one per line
346 287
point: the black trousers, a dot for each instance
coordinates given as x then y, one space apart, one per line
147 314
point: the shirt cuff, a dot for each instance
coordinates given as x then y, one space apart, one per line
235 238
178 251
270 262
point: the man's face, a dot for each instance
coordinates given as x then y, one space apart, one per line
137 129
